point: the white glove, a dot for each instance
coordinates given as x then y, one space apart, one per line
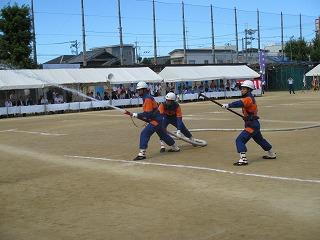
135 115
179 134
225 105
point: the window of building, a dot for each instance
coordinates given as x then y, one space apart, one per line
192 61
206 61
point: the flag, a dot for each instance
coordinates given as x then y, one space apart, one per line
262 64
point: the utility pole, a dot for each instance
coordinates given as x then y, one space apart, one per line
74 44
34 45
300 26
136 48
282 54
258 28
120 33
154 34
246 43
212 37
184 37
236 28
242 45
84 59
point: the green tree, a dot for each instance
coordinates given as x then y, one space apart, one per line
16 36
315 49
146 61
297 50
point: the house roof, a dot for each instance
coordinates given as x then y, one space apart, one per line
60 59
93 55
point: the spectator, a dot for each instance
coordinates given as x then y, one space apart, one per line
228 85
201 88
8 103
263 86
131 89
195 88
233 85
290 83
206 86
98 96
13 98
106 96
20 102
114 95
50 96
127 94
43 100
29 101
315 83
167 88
90 95
213 85
58 99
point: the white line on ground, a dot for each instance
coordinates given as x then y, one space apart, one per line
8 130
196 168
30 132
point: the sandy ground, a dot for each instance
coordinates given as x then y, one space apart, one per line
70 176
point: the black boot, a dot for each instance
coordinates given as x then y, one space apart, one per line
137 158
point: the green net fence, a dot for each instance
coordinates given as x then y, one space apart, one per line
277 76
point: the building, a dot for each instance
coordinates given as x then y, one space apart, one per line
96 57
225 54
60 62
129 56
251 56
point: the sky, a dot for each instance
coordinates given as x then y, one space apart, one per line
58 23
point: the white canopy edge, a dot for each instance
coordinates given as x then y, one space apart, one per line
314 71
39 78
202 73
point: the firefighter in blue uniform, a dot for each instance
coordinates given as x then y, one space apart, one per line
252 125
171 113
151 114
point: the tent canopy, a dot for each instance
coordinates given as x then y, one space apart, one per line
10 79
202 73
314 72
24 79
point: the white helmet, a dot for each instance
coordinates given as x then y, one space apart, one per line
171 96
142 85
248 84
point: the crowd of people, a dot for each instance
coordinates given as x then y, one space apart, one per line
51 97
204 86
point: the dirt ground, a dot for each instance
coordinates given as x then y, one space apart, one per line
70 176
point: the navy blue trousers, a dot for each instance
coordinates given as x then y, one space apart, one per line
255 134
173 121
151 129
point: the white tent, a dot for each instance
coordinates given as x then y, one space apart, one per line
10 79
24 79
314 72
202 73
